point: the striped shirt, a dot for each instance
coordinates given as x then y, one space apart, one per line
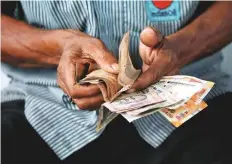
60 123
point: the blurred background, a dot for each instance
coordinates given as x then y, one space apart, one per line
226 66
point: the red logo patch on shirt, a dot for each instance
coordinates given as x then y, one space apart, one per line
162 4
166 10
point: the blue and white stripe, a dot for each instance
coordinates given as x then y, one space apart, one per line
65 128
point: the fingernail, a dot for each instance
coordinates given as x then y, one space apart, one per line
131 90
115 67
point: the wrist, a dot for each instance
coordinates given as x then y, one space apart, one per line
49 42
58 39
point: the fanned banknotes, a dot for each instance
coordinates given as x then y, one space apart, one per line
176 98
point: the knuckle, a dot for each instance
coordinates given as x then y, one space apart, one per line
97 42
93 91
72 93
82 105
96 45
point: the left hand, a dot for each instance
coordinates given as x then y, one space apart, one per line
159 57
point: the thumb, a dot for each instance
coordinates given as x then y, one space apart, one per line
150 37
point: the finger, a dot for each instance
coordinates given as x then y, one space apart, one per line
157 69
89 103
67 73
104 58
61 85
86 90
150 36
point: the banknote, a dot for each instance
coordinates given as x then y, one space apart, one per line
175 116
107 82
134 100
111 85
104 118
181 114
207 85
169 91
185 105
193 106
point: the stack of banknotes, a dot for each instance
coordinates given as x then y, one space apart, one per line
177 98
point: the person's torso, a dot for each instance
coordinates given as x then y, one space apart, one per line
106 20
109 20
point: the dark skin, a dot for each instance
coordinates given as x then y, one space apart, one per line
68 50
26 46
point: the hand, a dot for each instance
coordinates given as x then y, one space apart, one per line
159 57
80 49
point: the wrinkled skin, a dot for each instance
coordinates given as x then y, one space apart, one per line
80 49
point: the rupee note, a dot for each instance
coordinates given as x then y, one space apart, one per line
112 85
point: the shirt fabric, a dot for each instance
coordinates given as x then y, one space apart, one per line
60 123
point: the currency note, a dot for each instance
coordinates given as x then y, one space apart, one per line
104 118
112 85
107 82
134 101
207 85
180 115
175 116
169 91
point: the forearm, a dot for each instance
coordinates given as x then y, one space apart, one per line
208 33
22 43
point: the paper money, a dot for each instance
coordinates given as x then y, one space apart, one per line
178 116
134 100
169 91
107 83
112 85
176 98
174 106
184 112
104 117
206 85
127 73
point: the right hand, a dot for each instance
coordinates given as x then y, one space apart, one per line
79 49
